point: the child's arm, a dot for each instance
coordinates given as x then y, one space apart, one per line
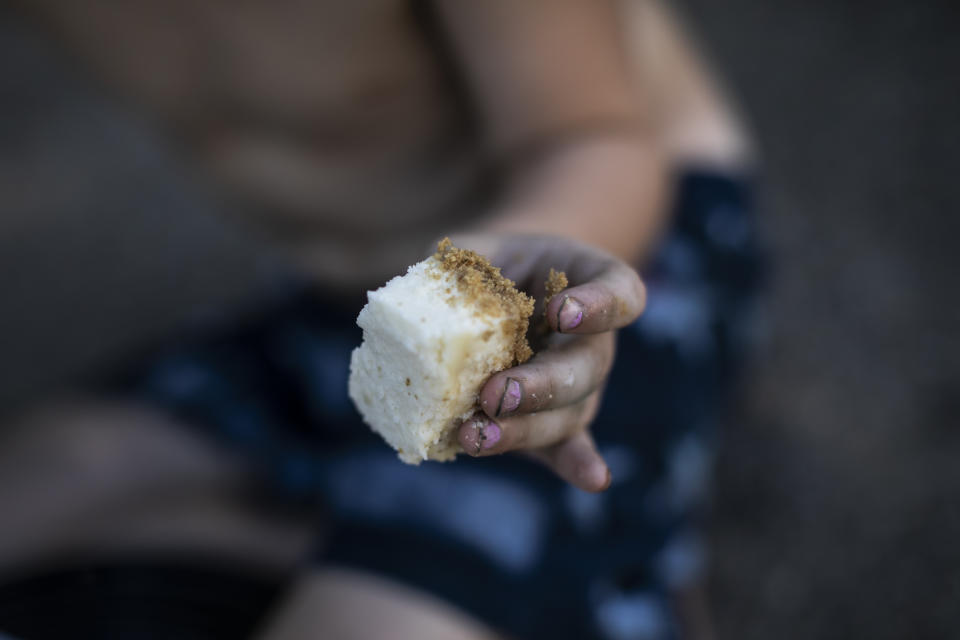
553 86
551 82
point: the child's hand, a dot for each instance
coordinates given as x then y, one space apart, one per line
545 406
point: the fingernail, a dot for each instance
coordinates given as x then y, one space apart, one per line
510 399
570 314
489 435
470 436
479 434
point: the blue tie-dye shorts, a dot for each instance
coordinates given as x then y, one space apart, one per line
502 537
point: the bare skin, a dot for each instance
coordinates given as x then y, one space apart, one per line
349 605
82 477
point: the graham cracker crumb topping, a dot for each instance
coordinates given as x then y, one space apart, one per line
556 282
489 292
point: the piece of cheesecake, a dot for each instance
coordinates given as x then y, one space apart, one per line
431 338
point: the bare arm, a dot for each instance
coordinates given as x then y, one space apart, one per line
552 84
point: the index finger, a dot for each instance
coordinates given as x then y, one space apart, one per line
611 299
559 376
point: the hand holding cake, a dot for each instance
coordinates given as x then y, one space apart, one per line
444 366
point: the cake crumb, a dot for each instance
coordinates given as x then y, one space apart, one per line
556 282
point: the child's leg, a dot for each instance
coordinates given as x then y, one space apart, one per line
88 479
351 605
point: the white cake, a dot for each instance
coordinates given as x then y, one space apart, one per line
431 338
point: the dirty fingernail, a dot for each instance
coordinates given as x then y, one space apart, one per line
570 314
469 436
490 435
479 434
511 397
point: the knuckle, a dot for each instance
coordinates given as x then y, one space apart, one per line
548 394
531 384
544 391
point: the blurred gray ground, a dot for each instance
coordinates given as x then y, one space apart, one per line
838 498
838 502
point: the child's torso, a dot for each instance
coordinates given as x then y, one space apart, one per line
333 126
